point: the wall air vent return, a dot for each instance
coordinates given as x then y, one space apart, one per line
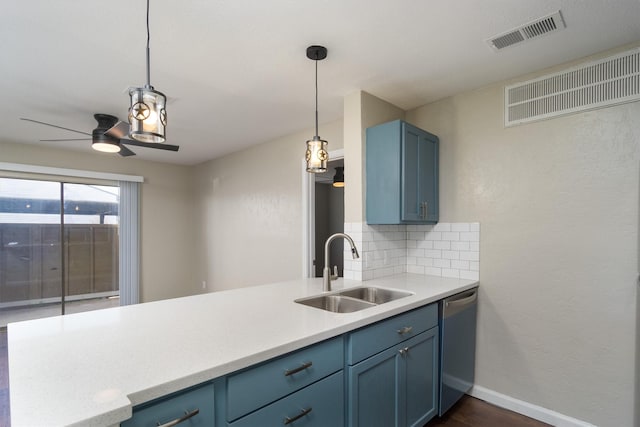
544 25
597 84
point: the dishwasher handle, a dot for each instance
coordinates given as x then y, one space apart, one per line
459 302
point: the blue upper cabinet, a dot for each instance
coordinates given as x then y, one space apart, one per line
402 174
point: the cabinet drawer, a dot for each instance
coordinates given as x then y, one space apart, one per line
372 339
258 386
174 407
318 405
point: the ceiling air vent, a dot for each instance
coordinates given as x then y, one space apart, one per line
597 84
539 27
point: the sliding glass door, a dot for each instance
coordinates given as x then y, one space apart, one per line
58 248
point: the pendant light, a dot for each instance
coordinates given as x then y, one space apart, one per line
147 114
338 178
316 155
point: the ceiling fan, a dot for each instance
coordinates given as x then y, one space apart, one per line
110 136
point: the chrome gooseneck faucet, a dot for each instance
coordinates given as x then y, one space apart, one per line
326 272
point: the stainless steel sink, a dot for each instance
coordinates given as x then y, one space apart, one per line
375 295
336 303
354 299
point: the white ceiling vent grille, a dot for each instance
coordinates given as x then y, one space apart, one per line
598 84
539 27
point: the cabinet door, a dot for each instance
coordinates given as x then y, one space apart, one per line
418 392
419 175
397 387
373 397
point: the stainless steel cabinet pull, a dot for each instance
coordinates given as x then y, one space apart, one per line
404 351
185 417
297 417
405 330
298 369
424 210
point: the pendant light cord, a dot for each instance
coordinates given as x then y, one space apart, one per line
148 38
317 95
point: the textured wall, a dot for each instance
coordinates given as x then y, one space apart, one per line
557 201
249 212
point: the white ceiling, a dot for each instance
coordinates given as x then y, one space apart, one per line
236 71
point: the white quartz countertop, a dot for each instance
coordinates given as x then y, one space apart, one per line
91 368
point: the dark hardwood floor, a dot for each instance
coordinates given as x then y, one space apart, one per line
469 412
472 412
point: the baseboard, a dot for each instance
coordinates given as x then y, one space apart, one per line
532 411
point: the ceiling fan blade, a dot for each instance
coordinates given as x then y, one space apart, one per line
125 152
120 130
150 145
55 126
66 139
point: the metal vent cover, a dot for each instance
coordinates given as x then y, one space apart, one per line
536 28
597 84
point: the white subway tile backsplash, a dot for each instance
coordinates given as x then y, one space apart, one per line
415 252
442 226
443 244
451 235
434 271
470 256
450 272
451 254
460 226
425 244
460 246
443 249
461 265
442 263
433 253
471 236
416 269
415 235
434 235
427 262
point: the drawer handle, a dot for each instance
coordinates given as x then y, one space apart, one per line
298 369
405 330
177 421
297 417
404 351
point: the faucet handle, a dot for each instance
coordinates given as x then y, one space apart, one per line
334 276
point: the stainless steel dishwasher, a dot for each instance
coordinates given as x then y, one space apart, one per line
458 346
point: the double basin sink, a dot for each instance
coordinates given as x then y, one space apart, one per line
354 299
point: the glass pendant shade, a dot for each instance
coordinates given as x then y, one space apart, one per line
317 155
147 115
338 178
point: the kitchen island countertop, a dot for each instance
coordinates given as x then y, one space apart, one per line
91 368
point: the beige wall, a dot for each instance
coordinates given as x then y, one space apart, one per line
167 212
249 207
557 202
361 110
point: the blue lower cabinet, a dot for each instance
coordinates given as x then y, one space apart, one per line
195 407
319 405
421 379
396 387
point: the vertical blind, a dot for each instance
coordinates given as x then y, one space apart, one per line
129 261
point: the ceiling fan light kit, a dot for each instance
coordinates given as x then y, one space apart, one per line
316 155
147 112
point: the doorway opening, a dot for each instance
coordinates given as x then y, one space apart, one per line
323 215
